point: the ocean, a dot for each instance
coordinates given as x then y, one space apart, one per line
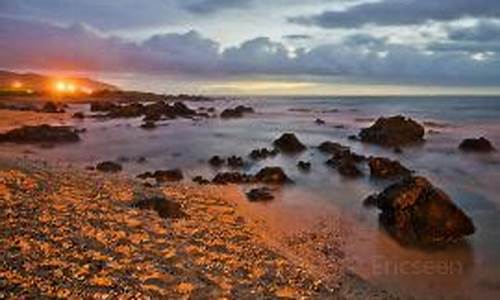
471 180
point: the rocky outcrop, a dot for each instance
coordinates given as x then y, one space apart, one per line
162 176
289 143
236 112
232 177
476 145
165 208
272 175
52 108
41 134
216 161
262 194
343 159
393 131
235 162
417 213
263 153
333 148
151 112
109 167
381 167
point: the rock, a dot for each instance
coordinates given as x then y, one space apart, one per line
417 213
353 137
51 107
78 115
141 160
132 110
102 106
345 166
165 208
41 134
263 153
163 175
232 177
320 121
289 143
235 162
393 131
333 148
200 180
236 112
304 166
260 195
273 175
109 167
476 145
381 167
148 125
216 161
397 150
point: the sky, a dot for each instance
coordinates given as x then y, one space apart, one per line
261 46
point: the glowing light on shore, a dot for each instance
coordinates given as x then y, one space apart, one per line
62 86
17 85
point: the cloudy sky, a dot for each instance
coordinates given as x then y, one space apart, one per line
261 46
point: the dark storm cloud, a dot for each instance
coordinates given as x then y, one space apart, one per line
26 44
402 12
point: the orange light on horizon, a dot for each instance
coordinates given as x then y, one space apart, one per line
62 86
17 85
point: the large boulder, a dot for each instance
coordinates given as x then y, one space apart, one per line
393 131
272 175
381 167
289 143
476 145
417 213
41 134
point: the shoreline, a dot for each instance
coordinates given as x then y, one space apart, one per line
213 237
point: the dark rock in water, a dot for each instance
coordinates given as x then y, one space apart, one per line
289 143
132 110
320 121
304 166
216 161
232 177
476 145
109 167
163 175
260 195
102 106
41 134
345 166
333 148
353 137
78 115
263 153
381 167
200 180
417 213
165 208
273 175
235 162
148 125
236 112
141 160
393 131
52 108
397 150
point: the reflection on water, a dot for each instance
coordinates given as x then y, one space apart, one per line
470 179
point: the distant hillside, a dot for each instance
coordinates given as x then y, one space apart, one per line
11 81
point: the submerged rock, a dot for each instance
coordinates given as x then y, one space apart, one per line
165 208
216 161
200 180
333 148
235 162
273 175
163 175
393 131
345 166
236 112
232 177
417 213
476 145
41 134
148 125
320 121
381 167
263 153
342 159
289 143
304 166
109 167
260 195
